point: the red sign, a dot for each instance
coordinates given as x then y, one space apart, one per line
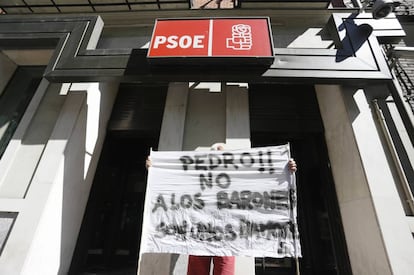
219 37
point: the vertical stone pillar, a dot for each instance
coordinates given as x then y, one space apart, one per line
237 137
171 139
377 234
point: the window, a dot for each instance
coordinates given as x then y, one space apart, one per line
15 99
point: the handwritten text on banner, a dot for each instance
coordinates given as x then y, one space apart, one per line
240 202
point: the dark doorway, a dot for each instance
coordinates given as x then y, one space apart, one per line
109 239
290 113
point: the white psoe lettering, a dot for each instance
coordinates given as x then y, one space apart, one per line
184 42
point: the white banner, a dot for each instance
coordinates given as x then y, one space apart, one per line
221 203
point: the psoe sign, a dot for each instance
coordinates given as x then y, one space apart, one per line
214 38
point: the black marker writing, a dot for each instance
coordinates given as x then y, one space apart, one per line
185 201
253 200
222 180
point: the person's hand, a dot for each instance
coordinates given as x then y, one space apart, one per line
292 166
148 162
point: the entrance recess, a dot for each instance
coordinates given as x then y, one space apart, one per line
290 113
110 234
109 239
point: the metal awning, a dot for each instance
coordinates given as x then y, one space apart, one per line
99 6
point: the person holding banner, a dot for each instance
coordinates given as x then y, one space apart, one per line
222 265
200 265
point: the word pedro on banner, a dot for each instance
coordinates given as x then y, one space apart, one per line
221 203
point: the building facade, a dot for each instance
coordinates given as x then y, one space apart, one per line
81 107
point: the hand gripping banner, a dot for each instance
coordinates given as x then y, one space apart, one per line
221 203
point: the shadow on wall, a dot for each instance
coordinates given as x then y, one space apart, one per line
14 101
80 161
356 36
